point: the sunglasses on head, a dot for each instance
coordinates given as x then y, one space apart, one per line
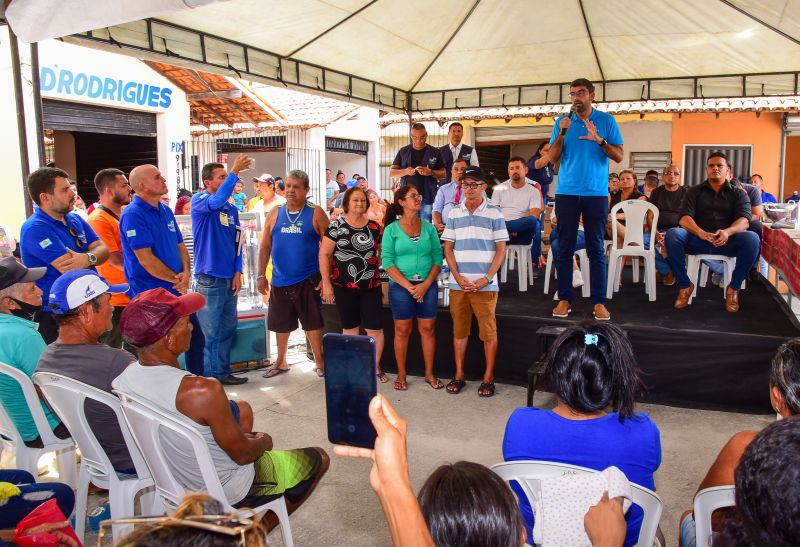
74 233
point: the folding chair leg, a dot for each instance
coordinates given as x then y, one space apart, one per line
612 276
66 461
548 268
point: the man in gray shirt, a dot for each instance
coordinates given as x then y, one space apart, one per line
81 304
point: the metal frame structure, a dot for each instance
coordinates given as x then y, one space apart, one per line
199 49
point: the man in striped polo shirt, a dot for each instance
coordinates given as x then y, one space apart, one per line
474 244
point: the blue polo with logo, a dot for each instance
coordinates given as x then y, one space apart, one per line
215 222
143 226
584 165
44 239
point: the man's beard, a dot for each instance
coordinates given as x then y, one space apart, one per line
64 209
121 201
515 177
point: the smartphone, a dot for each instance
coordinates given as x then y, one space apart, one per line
350 385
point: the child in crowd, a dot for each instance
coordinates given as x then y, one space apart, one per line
239 197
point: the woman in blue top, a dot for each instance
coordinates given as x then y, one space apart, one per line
591 369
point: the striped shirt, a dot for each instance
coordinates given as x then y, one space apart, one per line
475 237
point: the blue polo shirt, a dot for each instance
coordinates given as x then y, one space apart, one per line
214 224
584 165
143 226
44 239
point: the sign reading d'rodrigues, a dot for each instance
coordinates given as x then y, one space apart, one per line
82 85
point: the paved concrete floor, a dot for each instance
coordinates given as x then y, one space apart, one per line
446 428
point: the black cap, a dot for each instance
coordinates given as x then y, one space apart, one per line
12 272
473 172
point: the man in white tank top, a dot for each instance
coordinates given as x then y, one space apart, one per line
157 323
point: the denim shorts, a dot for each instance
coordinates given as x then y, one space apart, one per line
405 307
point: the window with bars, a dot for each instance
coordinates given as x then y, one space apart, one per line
642 162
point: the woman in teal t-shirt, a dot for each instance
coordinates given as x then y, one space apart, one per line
412 257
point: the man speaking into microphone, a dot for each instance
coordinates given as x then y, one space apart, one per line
583 140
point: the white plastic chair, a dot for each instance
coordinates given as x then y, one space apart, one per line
698 271
583 260
27 458
707 501
636 212
67 396
529 473
522 255
145 423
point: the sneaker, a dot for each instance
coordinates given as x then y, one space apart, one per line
577 278
562 309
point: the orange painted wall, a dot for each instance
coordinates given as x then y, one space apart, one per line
791 173
764 133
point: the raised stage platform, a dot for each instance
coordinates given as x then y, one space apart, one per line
698 357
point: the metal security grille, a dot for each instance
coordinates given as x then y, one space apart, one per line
66 116
695 156
642 162
334 144
253 144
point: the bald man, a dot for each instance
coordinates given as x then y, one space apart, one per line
153 251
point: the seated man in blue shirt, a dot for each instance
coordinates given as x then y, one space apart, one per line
153 250
758 182
55 238
218 265
449 195
21 346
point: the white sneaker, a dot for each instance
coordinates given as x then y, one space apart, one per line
577 279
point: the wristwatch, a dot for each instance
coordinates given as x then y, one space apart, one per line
488 279
92 259
602 143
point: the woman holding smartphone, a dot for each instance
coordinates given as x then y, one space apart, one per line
412 257
349 264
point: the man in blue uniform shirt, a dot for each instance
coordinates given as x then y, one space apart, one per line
218 265
584 141
153 250
420 165
55 238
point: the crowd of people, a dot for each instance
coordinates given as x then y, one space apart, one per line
111 299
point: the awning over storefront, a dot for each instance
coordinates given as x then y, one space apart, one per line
450 54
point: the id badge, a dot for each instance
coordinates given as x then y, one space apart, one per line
223 219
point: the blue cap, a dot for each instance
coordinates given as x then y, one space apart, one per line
352 183
78 287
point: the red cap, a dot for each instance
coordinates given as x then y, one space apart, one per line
151 315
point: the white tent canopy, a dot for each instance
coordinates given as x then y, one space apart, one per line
453 53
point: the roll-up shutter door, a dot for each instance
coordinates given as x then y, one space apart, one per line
67 116
793 125
694 166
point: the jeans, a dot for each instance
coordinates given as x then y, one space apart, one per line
524 232
426 213
580 243
218 321
194 355
744 246
32 495
662 266
594 210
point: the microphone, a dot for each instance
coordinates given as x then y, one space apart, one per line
572 110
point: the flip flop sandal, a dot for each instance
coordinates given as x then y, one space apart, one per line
382 378
320 372
436 384
455 386
274 371
400 386
488 387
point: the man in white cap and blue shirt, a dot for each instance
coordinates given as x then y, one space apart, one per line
80 302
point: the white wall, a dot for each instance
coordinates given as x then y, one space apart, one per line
349 164
273 163
364 128
643 136
74 73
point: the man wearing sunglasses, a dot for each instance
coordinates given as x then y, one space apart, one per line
55 238
583 140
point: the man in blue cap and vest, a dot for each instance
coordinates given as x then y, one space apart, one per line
422 165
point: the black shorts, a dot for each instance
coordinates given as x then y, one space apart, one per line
359 307
288 304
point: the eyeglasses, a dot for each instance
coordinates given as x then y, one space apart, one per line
74 235
675 173
580 93
417 139
413 196
472 184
